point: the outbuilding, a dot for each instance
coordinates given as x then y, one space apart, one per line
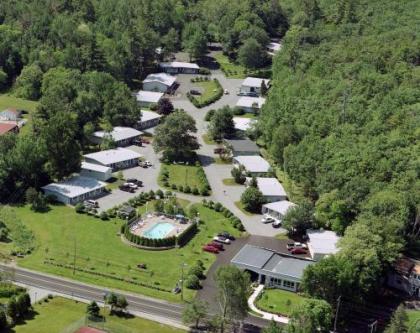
116 159
272 269
10 114
250 104
277 209
96 171
159 82
322 243
122 136
75 189
148 98
8 128
253 165
271 189
242 147
252 86
148 119
177 67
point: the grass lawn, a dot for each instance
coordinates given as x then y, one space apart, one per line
413 318
219 160
183 175
208 90
235 70
282 237
230 182
114 182
99 248
19 103
248 115
278 301
207 140
60 314
242 209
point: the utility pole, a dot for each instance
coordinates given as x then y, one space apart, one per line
182 280
74 257
336 313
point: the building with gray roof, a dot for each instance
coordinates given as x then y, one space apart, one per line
116 159
242 147
273 269
122 136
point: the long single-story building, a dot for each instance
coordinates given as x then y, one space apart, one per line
177 67
75 189
159 82
252 86
148 98
148 119
253 165
10 114
116 159
242 147
243 124
271 189
272 269
122 136
250 104
322 243
96 171
277 209
8 128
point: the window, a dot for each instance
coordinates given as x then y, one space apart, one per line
275 282
288 284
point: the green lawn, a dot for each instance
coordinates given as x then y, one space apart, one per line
235 70
208 89
230 182
278 301
413 319
61 314
208 140
19 103
242 209
100 249
219 160
183 175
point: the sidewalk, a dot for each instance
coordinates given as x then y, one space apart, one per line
265 315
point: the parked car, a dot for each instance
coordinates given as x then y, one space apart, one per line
148 163
226 92
211 249
290 246
216 245
267 219
298 250
219 150
176 290
221 239
135 181
225 234
296 245
91 203
195 92
125 188
276 224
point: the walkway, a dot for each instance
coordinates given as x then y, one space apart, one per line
265 315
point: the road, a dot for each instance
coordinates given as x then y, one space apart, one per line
158 310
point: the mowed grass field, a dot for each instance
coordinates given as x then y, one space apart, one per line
7 101
278 301
61 232
181 174
208 88
60 314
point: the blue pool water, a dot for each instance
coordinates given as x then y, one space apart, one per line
159 230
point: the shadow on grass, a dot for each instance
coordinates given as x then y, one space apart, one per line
21 322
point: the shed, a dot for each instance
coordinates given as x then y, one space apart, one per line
242 147
159 82
10 114
8 128
116 159
322 243
96 171
243 124
148 98
75 189
277 209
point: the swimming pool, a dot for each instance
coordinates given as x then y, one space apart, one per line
159 230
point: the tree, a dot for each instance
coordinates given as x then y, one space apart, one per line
251 54
221 124
399 321
3 79
253 182
40 203
252 199
31 195
121 303
263 88
299 218
174 136
232 294
3 319
192 282
93 309
23 304
111 299
238 174
164 107
170 42
310 316
12 309
28 84
195 312
273 328
194 40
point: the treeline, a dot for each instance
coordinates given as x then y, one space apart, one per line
342 120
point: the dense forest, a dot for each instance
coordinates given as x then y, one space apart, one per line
343 119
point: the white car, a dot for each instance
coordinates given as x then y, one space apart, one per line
131 185
276 224
221 239
148 163
267 219
300 245
226 92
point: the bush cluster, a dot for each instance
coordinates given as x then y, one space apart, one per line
202 103
8 290
203 190
200 79
218 207
204 71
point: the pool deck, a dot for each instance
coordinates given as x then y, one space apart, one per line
148 222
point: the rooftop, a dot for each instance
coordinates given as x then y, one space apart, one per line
149 96
6 127
323 241
75 186
107 157
253 163
252 256
95 167
274 46
119 133
179 64
250 102
163 78
243 145
280 206
149 115
254 82
270 186
292 267
243 124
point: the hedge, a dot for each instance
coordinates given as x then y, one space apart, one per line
218 207
212 99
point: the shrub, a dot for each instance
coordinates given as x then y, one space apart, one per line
187 189
218 207
80 209
204 191
159 193
103 216
192 282
195 191
197 270
209 115
181 188
174 187
204 71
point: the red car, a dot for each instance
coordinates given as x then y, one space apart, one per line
210 249
216 245
298 250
